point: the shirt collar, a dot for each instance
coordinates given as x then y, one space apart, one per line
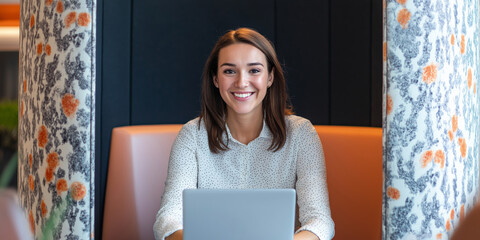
265 133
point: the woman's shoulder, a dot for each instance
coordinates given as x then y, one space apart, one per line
192 131
295 122
300 129
193 122
193 125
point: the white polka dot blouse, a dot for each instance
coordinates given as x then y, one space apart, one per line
298 164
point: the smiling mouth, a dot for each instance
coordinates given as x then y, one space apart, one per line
243 95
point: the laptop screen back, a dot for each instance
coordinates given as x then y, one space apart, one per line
233 214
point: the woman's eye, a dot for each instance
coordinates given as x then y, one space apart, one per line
254 71
228 71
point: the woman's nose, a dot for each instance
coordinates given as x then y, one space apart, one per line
242 81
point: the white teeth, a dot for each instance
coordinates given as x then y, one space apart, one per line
242 95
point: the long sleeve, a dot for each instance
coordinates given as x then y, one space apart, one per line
182 174
311 185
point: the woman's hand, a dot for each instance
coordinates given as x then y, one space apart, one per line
178 235
305 235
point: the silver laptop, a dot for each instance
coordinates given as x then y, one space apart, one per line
233 214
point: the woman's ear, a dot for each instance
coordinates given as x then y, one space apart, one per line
215 81
270 78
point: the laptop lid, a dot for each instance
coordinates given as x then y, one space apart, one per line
234 214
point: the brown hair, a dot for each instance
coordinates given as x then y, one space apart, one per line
274 104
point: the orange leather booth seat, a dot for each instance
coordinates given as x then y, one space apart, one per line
138 167
353 156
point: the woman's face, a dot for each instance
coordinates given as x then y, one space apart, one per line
242 79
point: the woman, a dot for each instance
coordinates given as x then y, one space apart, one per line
246 137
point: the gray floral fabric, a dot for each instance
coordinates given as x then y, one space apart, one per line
431 116
56 117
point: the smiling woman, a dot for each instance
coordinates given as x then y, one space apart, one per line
246 137
151 55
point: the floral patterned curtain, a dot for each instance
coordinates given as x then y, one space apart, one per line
56 117
431 116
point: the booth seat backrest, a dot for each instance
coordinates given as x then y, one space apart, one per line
136 177
138 167
353 157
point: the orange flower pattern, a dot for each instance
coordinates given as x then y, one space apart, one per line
393 193
49 174
462 44
454 123
56 100
440 158
31 182
430 73
48 49
426 158
389 104
62 186
69 105
52 160
70 19
463 147
32 21
403 17
431 143
44 209
39 48
59 7
77 191
83 19
42 136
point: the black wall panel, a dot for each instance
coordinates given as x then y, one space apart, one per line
376 65
302 43
113 87
171 41
350 62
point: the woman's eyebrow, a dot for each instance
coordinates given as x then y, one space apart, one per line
228 64
248 64
254 64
